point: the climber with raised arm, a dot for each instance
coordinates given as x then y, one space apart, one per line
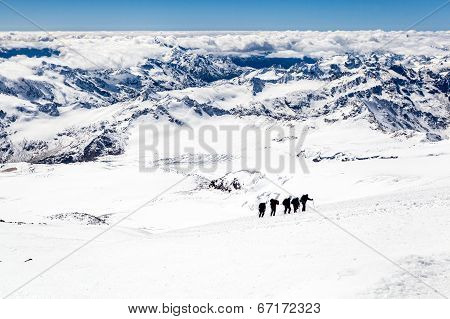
303 200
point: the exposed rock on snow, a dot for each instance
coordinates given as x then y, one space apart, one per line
20 223
235 181
348 158
191 159
106 144
80 218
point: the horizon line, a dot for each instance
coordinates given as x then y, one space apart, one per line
225 31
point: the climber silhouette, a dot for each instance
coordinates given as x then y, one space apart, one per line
296 203
273 206
262 209
303 200
287 205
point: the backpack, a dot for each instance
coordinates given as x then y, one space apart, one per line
287 202
262 206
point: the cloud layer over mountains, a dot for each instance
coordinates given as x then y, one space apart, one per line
89 50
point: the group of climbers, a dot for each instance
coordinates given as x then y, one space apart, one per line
286 203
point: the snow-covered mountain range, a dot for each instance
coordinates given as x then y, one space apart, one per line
392 92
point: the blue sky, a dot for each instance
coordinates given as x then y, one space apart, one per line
224 15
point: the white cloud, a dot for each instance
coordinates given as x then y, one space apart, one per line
125 49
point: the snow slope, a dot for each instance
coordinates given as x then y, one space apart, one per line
301 255
198 242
